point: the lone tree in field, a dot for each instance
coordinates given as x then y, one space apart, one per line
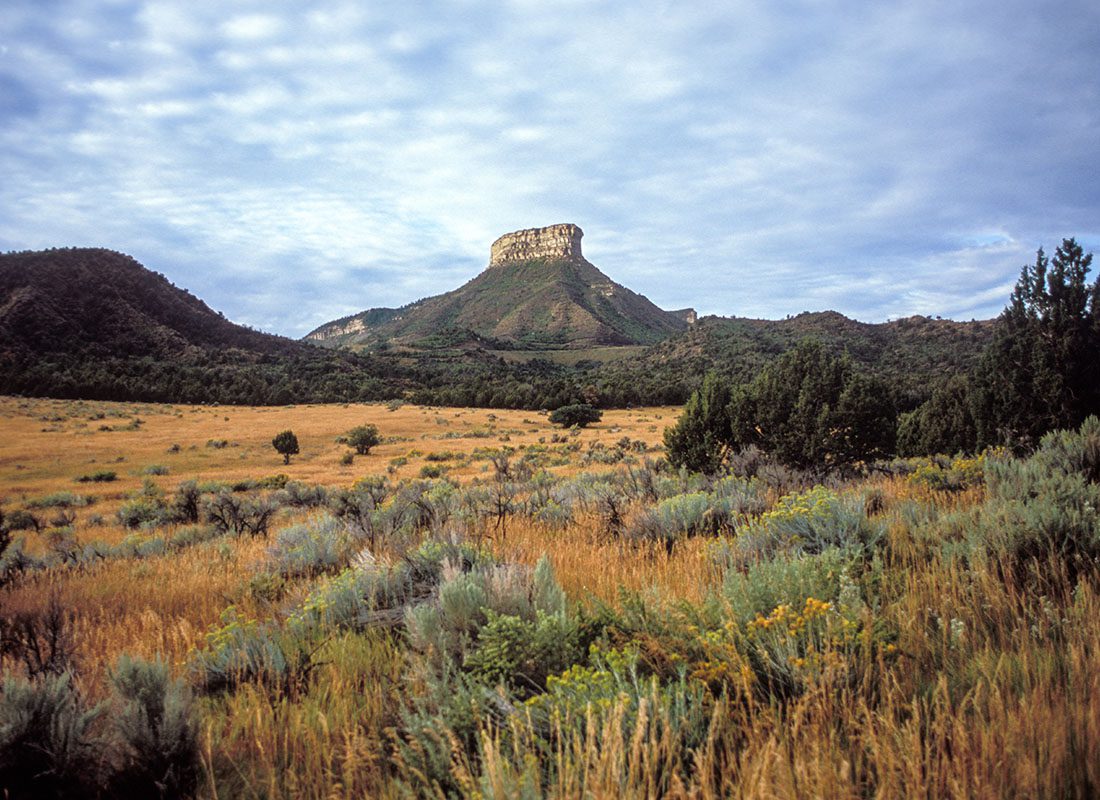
579 414
363 438
287 444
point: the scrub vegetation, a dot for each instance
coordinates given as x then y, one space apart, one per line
559 613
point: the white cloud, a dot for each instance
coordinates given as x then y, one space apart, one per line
745 159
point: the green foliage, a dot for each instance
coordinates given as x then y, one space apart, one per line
579 414
318 546
159 738
961 473
286 444
942 424
703 435
21 520
447 630
789 580
46 749
300 495
242 650
1042 370
99 476
248 516
729 502
1043 513
807 522
520 654
810 409
61 500
142 511
363 438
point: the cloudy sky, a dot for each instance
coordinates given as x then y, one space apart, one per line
757 159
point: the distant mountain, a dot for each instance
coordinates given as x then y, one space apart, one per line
96 323
537 292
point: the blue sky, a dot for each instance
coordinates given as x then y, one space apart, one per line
756 159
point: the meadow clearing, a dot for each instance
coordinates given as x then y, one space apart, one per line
488 605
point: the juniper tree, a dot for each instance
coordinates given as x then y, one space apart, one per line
701 438
1042 370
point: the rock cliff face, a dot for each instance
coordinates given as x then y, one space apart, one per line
554 241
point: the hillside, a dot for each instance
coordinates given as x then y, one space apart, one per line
909 352
537 292
96 324
85 322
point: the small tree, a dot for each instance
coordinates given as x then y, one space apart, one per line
702 436
579 414
363 438
286 443
810 409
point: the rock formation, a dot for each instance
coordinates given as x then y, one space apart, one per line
555 241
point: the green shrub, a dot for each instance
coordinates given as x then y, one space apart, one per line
363 438
155 469
319 546
99 476
20 520
243 650
808 522
790 580
249 516
142 511
579 414
190 535
285 444
61 500
520 654
447 629
300 495
159 738
46 750
1047 506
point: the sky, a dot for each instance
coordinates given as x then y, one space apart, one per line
291 163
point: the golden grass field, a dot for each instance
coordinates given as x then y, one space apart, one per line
1001 710
165 605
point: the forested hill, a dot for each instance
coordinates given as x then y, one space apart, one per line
910 353
89 322
96 324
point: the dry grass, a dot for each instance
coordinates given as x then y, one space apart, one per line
996 692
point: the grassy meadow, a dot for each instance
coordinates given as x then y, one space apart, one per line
485 605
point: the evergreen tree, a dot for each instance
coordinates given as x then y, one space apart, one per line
811 409
286 444
1042 371
702 436
942 424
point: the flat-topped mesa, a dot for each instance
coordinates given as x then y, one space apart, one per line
554 241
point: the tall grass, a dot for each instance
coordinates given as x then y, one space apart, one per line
940 655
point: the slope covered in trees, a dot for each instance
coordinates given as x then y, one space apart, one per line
96 324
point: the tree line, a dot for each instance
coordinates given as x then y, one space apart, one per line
812 409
